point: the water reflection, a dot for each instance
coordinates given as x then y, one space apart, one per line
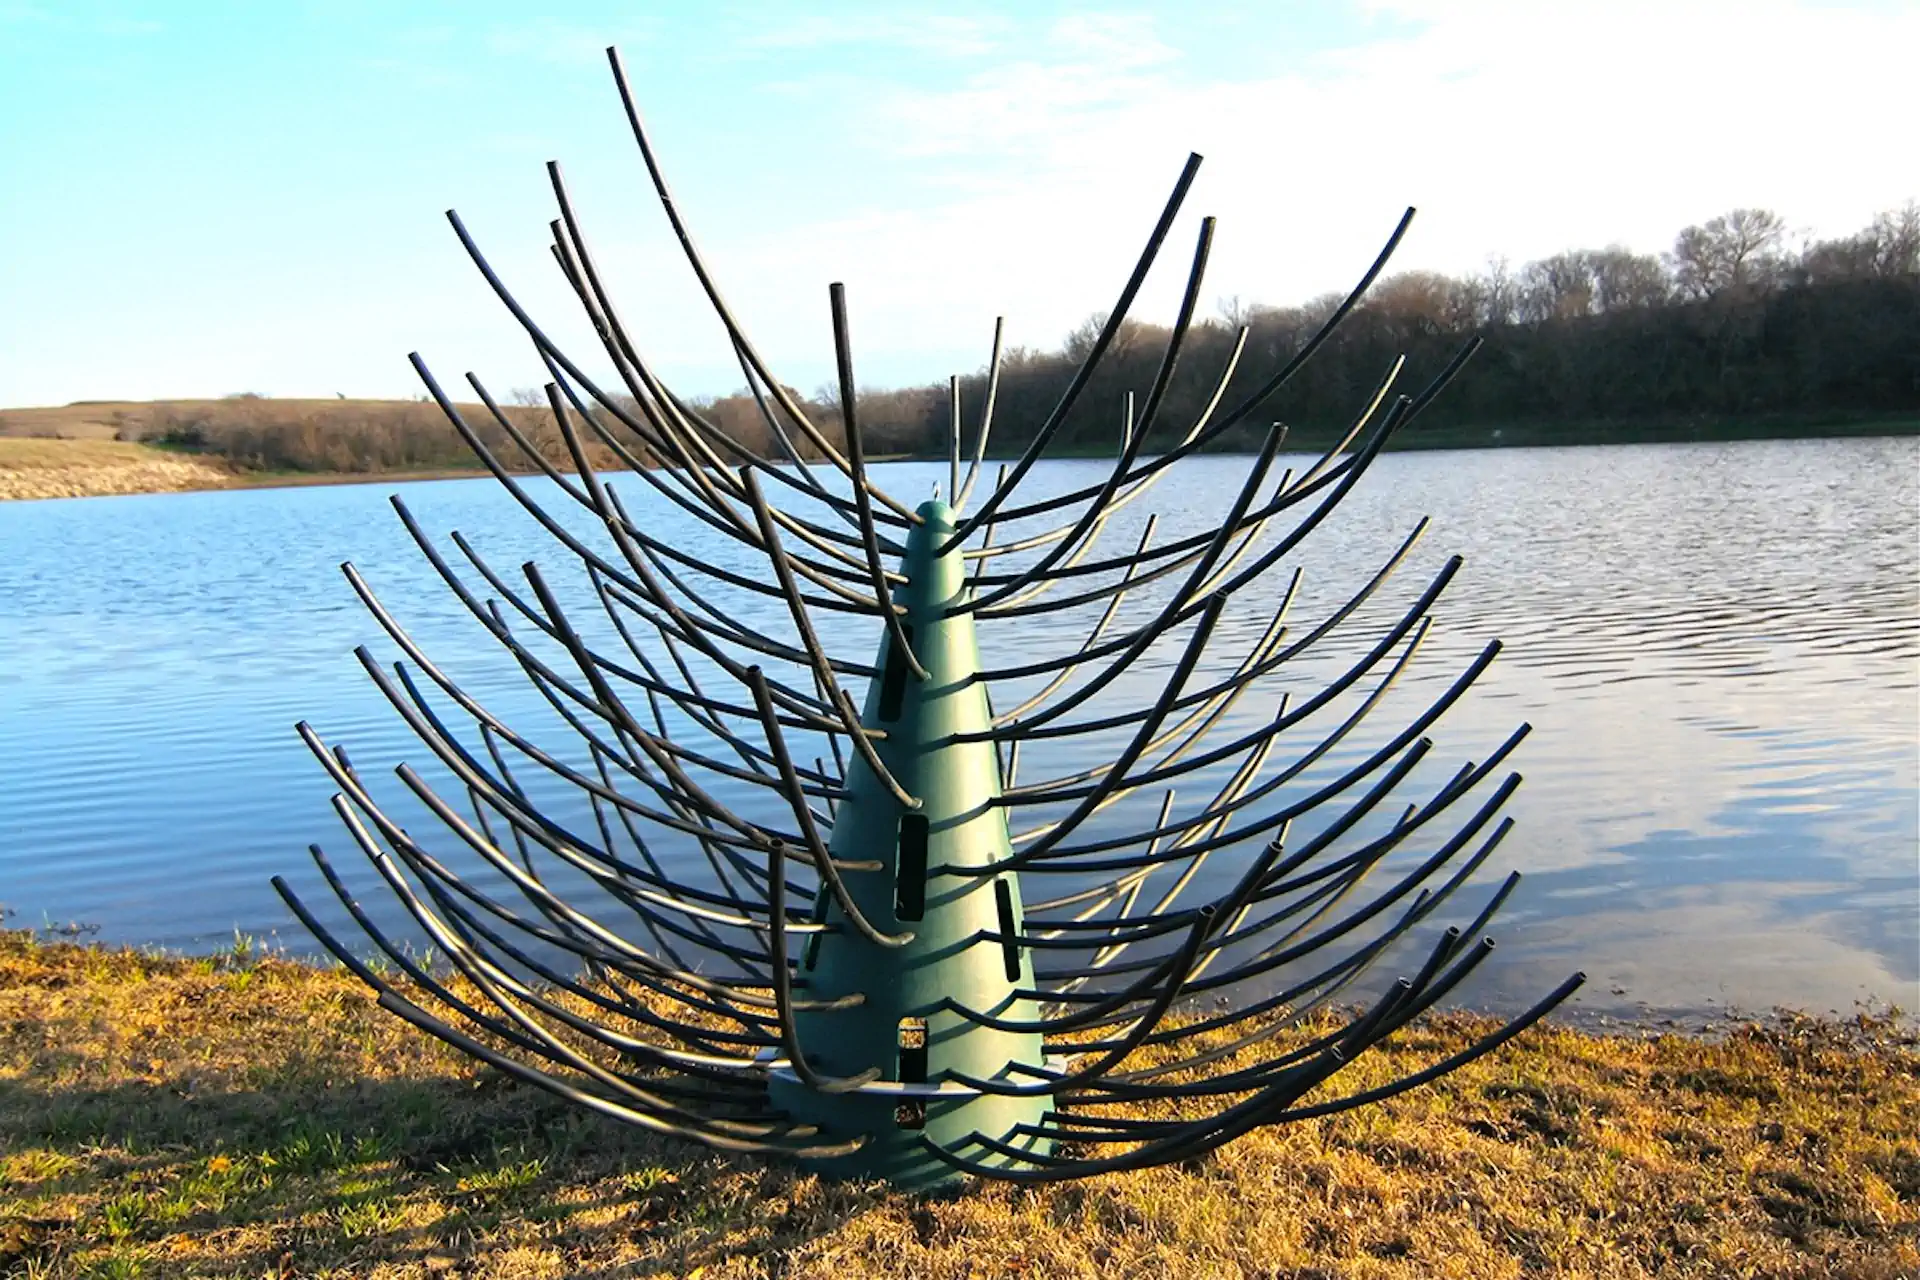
1716 646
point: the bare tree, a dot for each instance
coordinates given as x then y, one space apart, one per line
1424 301
1898 236
1889 247
1079 342
1236 313
1557 288
1495 293
1736 250
1623 280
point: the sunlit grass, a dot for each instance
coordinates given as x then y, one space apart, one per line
87 468
158 1117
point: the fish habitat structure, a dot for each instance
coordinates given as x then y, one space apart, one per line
812 930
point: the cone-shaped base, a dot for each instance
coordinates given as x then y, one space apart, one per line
905 1026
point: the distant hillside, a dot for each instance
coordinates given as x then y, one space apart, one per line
262 434
252 433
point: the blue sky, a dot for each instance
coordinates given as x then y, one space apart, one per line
202 198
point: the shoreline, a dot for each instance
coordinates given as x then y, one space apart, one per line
241 1114
1708 1017
36 468
1711 1019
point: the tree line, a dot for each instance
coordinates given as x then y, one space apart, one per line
1732 328
1732 331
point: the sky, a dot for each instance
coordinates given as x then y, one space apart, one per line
201 199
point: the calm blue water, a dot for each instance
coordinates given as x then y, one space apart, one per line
1717 646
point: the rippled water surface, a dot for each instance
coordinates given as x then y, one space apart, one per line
1716 646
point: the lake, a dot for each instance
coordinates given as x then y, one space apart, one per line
1718 647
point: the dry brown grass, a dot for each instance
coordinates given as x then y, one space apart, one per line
249 1116
135 419
262 439
75 468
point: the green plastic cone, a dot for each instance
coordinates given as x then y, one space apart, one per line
904 1027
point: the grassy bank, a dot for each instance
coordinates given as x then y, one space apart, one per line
254 440
249 1116
98 468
